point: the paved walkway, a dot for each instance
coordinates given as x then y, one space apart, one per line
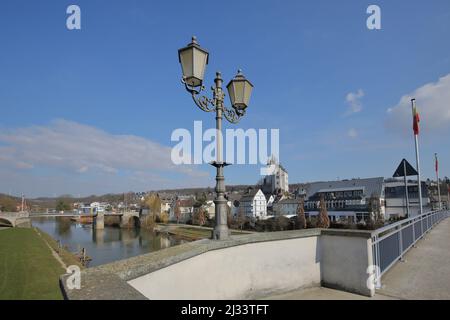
321 293
425 274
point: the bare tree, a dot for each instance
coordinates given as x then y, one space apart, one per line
323 221
374 208
153 203
301 218
177 211
240 218
201 216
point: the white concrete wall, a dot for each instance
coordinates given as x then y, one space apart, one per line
344 263
245 271
335 258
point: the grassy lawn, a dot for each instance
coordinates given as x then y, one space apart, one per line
28 269
67 257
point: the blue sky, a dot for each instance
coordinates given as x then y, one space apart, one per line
92 110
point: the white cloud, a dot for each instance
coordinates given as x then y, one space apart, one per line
433 104
353 101
352 133
79 149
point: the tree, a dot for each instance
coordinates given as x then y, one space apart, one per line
62 205
199 217
374 208
301 218
281 223
323 221
200 200
203 215
8 204
148 222
153 204
241 218
163 217
177 211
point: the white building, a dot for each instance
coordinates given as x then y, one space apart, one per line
253 205
277 178
345 199
210 208
186 209
396 198
94 207
165 205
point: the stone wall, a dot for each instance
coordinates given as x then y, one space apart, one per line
244 267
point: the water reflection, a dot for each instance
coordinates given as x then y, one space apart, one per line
107 245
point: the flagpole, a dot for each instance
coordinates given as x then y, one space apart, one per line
416 140
437 179
406 189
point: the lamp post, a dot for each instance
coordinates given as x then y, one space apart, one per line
194 59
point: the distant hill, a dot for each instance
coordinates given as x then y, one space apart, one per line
189 191
8 203
50 202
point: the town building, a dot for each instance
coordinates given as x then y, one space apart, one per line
185 205
93 208
396 198
253 205
276 181
286 207
346 200
233 199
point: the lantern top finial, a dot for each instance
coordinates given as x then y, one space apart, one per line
240 76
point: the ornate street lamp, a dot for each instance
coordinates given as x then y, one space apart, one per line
193 61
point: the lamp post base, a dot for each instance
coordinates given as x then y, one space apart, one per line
221 233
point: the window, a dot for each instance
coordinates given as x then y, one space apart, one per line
348 194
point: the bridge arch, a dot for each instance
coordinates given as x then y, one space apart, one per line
4 222
134 222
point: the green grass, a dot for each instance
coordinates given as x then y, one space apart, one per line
28 270
67 257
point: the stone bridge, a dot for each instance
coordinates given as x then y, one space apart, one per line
127 219
358 263
14 219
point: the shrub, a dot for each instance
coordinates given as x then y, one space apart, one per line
148 222
162 217
301 218
311 222
323 220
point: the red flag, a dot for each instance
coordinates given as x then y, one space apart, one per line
416 120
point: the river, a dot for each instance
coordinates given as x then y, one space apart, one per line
104 246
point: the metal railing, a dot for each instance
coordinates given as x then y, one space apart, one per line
390 243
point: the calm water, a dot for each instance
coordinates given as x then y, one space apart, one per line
107 245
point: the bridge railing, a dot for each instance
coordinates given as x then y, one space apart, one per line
390 243
23 214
